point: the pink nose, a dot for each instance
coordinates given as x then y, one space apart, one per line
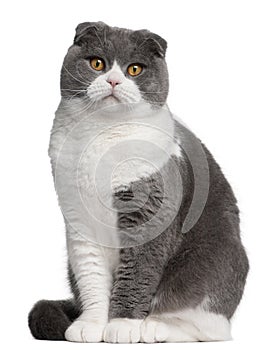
113 82
114 79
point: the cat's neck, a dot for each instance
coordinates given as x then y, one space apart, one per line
81 107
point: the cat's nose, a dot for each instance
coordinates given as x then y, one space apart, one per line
113 82
114 79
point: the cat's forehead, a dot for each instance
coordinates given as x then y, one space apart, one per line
117 42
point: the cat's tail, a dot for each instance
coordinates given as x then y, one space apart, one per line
49 319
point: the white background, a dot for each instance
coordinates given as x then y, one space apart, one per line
217 65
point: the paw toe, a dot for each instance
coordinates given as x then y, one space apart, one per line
122 331
153 331
84 332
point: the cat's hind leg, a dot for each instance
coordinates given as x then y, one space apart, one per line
188 325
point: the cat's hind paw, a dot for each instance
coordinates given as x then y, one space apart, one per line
85 332
122 330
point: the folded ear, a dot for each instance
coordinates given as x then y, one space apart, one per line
155 42
159 42
85 29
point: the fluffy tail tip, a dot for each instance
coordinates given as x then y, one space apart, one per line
48 321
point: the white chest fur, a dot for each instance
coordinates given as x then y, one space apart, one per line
94 154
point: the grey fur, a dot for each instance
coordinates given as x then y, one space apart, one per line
175 270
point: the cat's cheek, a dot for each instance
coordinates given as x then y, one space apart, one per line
122 330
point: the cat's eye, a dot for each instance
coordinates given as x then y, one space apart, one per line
97 63
134 69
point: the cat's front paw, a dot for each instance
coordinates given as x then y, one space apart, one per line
153 331
85 332
122 330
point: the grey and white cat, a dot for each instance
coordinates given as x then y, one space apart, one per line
135 274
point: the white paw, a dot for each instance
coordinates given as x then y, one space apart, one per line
122 330
85 332
153 331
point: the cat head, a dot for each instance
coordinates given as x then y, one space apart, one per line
110 65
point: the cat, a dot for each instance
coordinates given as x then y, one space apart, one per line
127 174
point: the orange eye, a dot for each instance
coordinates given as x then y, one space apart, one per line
134 69
97 63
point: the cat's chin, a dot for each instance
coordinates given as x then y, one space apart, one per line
110 100
112 104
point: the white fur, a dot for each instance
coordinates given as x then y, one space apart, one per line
122 330
187 325
94 152
85 331
97 153
93 266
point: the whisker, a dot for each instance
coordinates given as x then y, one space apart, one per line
89 105
84 108
77 93
82 82
86 82
75 102
73 90
153 92
74 95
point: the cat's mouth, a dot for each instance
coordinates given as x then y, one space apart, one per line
111 98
